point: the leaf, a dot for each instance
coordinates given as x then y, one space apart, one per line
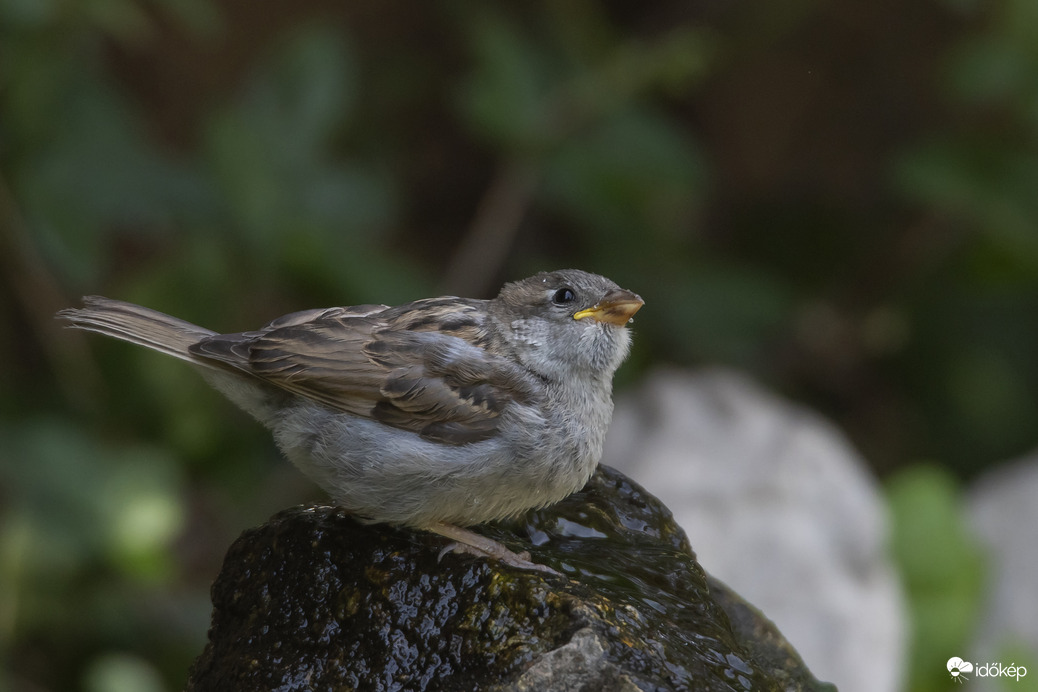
503 97
941 566
635 170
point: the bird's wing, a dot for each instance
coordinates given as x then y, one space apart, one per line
399 366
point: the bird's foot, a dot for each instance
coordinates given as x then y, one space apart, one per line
471 543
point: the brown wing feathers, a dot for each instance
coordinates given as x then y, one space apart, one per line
403 371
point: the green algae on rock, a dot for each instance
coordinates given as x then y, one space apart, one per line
315 600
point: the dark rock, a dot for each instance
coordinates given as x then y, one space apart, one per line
314 600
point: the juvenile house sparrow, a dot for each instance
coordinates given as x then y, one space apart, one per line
437 414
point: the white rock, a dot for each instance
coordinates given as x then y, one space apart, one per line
1003 513
777 505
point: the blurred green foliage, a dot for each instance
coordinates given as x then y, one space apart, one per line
839 198
942 571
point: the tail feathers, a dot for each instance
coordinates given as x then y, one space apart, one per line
138 325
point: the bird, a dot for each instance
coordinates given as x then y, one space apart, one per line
438 414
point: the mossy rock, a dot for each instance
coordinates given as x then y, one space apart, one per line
314 600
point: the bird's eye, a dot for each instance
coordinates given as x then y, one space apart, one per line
563 296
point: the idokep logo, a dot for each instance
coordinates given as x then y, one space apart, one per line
958 668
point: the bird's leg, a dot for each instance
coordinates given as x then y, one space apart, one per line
466 541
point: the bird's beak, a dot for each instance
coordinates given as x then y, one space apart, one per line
616 307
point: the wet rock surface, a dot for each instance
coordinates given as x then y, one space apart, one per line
314 600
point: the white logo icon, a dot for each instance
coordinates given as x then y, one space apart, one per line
957 668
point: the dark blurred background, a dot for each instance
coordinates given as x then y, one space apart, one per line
839 198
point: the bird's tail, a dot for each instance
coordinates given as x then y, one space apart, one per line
138 325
